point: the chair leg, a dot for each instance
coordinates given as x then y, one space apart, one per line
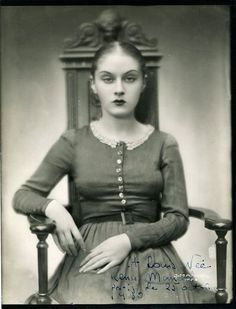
42 296
221 251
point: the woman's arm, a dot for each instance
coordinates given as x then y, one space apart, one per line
174 203
31 198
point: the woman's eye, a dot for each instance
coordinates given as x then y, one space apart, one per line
107 80
130 79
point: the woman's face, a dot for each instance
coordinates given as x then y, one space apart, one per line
118 82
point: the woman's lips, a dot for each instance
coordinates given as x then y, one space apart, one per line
119 102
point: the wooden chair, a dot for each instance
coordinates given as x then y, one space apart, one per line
82 108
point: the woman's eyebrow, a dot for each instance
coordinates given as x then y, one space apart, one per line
128 72
104 72
131 71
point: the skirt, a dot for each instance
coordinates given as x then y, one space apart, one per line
151 276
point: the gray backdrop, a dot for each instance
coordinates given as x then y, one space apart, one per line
194 106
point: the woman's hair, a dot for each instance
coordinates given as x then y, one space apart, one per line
126 47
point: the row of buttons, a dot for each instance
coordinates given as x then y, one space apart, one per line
119 171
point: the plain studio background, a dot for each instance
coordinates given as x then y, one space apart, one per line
194 106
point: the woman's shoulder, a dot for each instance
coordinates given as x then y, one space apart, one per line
164 138
71 134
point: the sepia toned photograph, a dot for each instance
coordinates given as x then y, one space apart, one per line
116 155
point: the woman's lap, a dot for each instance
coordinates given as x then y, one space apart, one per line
154 275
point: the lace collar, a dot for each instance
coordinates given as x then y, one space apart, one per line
130 144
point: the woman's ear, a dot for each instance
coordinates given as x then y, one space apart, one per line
92 85
144 83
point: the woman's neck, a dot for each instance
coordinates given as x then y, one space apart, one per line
120 128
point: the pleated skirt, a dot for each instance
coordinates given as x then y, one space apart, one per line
150 276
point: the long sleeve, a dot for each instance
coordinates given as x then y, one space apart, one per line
32 196
175 221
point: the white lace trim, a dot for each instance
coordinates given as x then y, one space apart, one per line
130 144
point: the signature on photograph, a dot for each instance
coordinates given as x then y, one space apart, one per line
125 285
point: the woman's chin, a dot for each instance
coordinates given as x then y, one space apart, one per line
122 114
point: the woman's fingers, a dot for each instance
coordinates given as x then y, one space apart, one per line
78 238
90 256
69 240
71 243
94 264
108 266
64 243
56 240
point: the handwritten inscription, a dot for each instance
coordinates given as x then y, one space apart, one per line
127 286
152 264
134 262
128 291
197 262
123 277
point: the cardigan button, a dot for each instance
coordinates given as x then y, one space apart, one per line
121 195
121 188
119 161
119 152
123 202
118 170
119 144
120 179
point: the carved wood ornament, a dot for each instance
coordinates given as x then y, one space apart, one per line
108 27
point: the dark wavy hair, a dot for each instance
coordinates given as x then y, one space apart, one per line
126 47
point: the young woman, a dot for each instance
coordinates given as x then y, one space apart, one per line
126 173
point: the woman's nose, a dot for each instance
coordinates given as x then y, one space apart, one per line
119 89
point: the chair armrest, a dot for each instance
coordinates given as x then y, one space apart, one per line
221 226
211 219
41 224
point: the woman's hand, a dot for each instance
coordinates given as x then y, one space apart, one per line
109 253
66 236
